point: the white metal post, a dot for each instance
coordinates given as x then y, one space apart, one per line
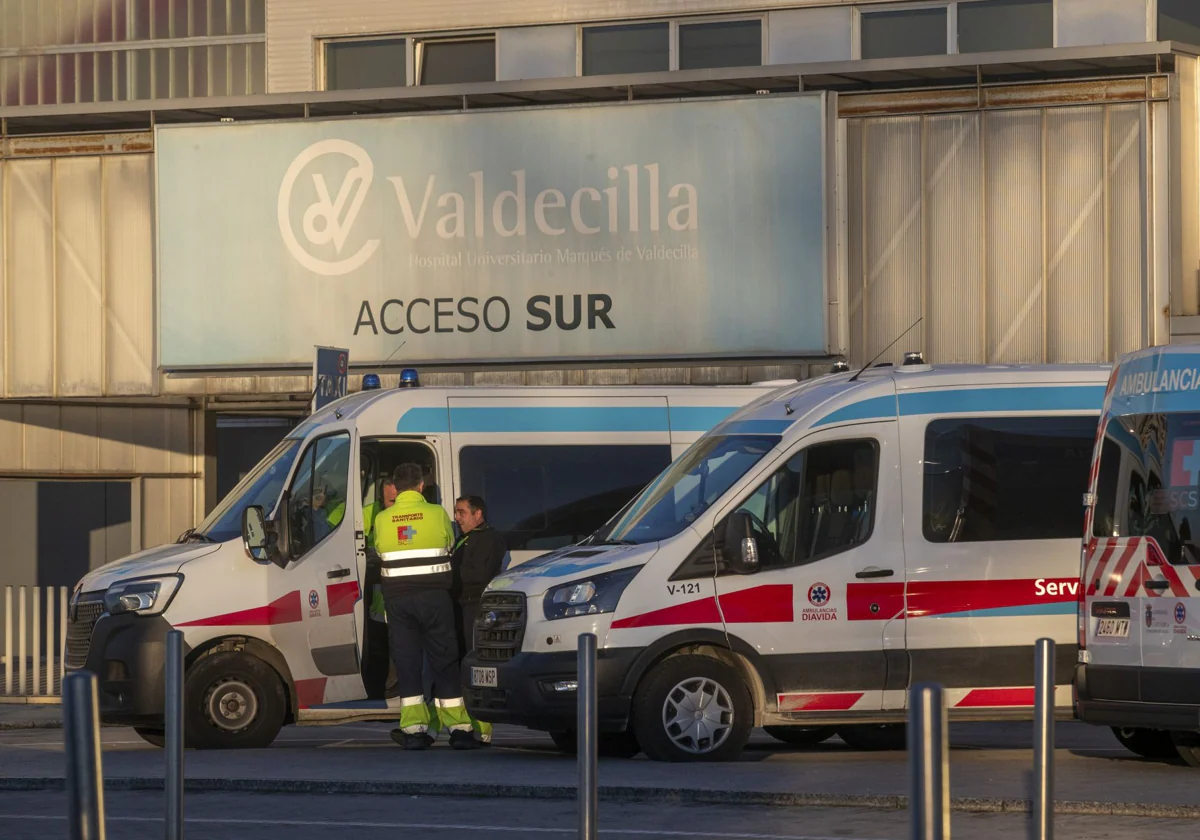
21 649
50 592
62 636
8 640
36 627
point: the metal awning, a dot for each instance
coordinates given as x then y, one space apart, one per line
844 76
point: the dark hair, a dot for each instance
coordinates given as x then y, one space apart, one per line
475 503
387 479
408 477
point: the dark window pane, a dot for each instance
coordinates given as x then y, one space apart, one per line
641 48
458 62
199 18
160 19
258 16
178 23
198 58
258 68
105 71
545 497
1149 484
894 34
1006 478
353 65
141 74
1179 20
1005 25
735 43
237 17
318 489
139 29
218 22
87 76
119 30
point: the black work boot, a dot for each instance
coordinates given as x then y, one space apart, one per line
413 741
464 739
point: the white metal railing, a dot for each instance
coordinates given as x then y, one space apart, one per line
27 672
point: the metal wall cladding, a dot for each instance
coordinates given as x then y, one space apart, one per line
1017 236
76 260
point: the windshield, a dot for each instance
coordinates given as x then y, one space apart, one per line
1149 482
261 486
686 489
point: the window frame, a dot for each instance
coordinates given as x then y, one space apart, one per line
413 54
673 25
310 445
951 7
321 64
1153 22
417 51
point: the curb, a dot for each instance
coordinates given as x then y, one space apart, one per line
12 725
609 793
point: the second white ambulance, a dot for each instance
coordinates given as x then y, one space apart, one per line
807 560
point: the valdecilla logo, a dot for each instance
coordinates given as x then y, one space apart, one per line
331 217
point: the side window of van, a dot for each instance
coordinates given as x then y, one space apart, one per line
991 479
820 503
318 492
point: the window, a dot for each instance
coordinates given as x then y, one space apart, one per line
456 62
545 497
318 494
1149 482
820 503
355 65
262 486
637 48
903 33
1006 478
734 43
1005 25
1179 20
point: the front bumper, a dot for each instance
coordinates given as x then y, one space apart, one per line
1148 698
127 653
525 695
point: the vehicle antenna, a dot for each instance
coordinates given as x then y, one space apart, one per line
885 349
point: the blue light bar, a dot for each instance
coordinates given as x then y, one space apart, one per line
370 382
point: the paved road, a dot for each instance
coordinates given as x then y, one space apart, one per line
220 816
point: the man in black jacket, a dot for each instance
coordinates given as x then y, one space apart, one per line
478 557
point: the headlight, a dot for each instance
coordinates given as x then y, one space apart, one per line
591 596
148 596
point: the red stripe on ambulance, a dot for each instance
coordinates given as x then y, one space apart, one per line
837 702
283 610
757 605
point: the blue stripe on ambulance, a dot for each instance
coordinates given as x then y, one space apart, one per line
548 419
972 400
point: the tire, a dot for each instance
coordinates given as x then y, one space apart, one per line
801 736
675 686
1154 744
1187 747
610 744
875 737
154 737
232 701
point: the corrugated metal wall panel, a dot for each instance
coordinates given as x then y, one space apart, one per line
166 509
30 275
43 438
129 273
79 260
855 280
954 240
1013 233
80 444
1076 185
12 437
1129 290
116 439
892 227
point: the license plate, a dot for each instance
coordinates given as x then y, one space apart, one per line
1118 627
486 677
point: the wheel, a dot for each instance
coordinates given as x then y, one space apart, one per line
876 737
692 708
609 744
232 700
154 737
1187 747
1148 743
800 736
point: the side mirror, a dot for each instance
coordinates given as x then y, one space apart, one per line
739 549
254 532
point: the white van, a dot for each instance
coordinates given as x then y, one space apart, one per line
273 643
808 560
1139 623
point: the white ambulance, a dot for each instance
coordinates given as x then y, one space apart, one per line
810 558
284 636
1139 623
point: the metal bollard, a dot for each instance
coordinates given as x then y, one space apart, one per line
85 777
22 656
1042 824
928 763
50 590
173 726
62 636
8 640
587 734
37 641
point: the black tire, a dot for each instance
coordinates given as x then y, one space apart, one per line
1154 744
232 701
154 737
875 737
664 691
1187 747
801 736
609 744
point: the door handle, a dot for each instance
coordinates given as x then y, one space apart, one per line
338 573
1158 584
875 573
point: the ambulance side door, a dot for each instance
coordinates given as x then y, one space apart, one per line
825 522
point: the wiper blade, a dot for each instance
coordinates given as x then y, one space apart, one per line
614 542
196 537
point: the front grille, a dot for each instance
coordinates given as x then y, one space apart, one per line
79 630
488 699
499 639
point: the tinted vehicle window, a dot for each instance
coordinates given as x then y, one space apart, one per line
545 497
1149 482
318 492
1006 478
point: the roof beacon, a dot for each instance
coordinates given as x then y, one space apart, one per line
914 357
370 382
409 378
